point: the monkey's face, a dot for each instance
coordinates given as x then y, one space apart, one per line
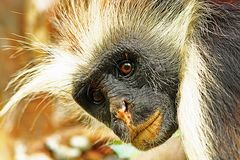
132 91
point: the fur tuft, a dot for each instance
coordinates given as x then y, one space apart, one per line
196 30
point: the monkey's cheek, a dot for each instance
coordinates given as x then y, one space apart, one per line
120 129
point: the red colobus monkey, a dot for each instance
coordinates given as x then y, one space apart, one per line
146 67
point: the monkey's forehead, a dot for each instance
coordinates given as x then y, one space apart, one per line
88 26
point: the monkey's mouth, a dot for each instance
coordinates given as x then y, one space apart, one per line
145 134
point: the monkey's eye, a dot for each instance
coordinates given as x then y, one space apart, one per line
126 68
96 96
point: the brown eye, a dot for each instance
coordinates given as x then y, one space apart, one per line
126 68
96 96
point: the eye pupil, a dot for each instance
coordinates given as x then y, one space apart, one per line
97 96
126 68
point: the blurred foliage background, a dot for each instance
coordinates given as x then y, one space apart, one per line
18 19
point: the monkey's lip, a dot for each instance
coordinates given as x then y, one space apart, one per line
142 135
146 133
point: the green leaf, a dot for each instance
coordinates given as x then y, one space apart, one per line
124 151
176 134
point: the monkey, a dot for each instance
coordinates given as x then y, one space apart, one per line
145 68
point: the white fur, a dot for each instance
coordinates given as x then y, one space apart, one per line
54 76
190 115
83 30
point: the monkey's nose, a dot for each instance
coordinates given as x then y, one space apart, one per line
121 111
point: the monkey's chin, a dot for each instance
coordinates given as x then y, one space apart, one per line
146 136
145 144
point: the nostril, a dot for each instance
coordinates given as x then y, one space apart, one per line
123 106
123 113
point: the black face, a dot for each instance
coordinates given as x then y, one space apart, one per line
132 90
